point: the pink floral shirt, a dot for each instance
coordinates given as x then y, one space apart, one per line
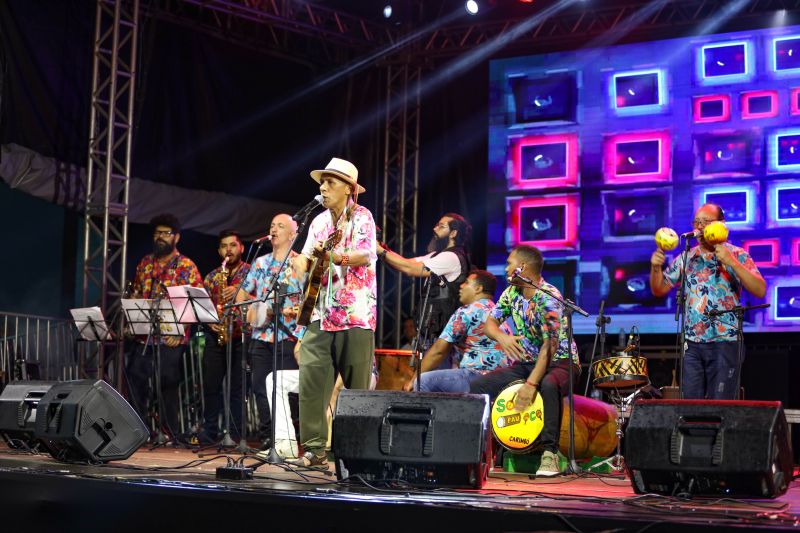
350 300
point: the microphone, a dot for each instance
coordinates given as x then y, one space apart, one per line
306 209
263 238
693 233
516 273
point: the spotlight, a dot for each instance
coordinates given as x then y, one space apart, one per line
387 11
472 7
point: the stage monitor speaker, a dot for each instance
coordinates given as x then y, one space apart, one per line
426 439
18 406
87 420
707 447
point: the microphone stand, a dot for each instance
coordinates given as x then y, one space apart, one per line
423 329
569 308
600 332
155 334
738 311
680 313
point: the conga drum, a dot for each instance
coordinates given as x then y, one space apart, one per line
394 368
517 428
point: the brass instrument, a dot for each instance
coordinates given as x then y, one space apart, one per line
222 335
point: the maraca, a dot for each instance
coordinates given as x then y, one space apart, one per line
667 239
715 233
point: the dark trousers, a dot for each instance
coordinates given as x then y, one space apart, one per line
141 369
553 388
710 370
215 368
261 359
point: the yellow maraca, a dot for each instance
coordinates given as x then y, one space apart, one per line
715 233
666 239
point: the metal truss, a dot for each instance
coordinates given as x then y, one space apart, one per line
296 31
400 185
108 171
570 26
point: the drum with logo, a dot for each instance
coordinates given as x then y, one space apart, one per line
517 428
620 372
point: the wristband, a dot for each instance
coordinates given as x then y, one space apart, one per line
534 385
382 255
345 260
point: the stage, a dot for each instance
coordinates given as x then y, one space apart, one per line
169 487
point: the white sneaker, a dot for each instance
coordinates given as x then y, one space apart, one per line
286 448
549 465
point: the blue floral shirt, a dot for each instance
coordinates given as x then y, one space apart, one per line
465 332
711 286
258 282
536 319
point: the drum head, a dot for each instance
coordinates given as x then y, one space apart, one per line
516 430
620 372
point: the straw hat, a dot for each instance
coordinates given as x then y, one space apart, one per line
341 169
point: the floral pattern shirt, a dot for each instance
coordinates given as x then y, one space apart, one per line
536 319
151 275
258 282
348 296
710 286
213 285
465 332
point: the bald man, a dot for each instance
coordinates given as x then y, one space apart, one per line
265 339
716 275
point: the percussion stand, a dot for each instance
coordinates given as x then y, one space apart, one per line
600 332
738 311
617 461
569 308
423 329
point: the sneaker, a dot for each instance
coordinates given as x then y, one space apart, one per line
286 448
312 460
549 465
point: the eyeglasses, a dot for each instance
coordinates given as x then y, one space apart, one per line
702 222
164 232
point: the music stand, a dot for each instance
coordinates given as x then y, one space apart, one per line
91 324
153 318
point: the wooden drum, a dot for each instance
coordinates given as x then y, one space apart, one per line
620 372
518 430
394 368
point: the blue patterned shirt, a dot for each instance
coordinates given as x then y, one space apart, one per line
711 286
258 282
465 332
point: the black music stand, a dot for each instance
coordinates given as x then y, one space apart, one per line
91 324
153 318
681 302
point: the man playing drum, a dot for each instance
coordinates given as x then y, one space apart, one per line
540 350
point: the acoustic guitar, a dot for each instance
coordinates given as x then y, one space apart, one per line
315 279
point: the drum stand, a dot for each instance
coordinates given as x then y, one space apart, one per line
617 461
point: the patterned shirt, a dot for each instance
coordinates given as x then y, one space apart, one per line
465 332
258 282
150 275
537 320
213 282
350 300
711 285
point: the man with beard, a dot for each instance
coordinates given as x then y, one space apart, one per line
340 338
165 267
448 260
256 285
222 285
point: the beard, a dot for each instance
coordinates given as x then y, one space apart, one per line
438 244
163 249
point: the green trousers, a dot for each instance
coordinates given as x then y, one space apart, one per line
322 355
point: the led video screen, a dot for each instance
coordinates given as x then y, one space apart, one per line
592 151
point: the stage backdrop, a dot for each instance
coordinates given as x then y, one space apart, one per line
591 151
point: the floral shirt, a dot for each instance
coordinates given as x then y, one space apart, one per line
537 320
150 275
711 286
258 282
349 300
213 285
464 331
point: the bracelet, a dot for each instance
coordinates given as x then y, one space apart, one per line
382 255
345 260
534 385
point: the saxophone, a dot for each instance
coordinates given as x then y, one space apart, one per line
222 336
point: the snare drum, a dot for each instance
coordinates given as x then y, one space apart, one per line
620 372
518 431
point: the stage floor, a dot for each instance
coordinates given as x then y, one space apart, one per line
176 487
